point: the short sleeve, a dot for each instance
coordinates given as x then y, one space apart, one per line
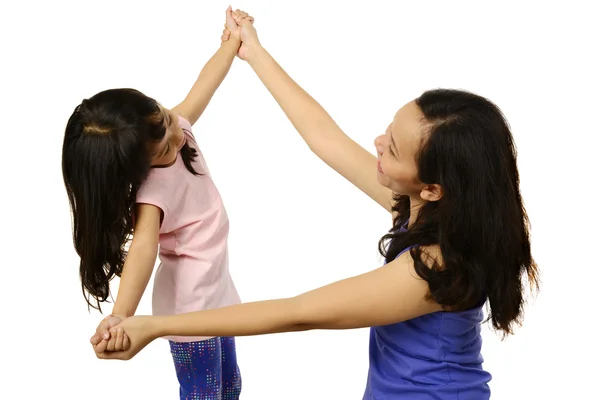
153 191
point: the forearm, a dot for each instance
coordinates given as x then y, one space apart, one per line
134 279
247 319
311 120
209 80
339 305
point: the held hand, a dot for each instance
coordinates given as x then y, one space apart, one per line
102 331
128 338
244 29
232 30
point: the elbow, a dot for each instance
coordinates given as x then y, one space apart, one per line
149 247
307 315
296 317
145 251
311 313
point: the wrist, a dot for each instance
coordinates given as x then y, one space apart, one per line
232 45
121 312
159 326
255 52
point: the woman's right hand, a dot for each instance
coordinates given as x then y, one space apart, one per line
128 338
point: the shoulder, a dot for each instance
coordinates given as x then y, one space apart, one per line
156 189
406 286
184 123
432 256
186 127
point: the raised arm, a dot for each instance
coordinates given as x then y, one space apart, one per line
315 125
390 294
211 77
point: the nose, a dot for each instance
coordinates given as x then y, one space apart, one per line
379 144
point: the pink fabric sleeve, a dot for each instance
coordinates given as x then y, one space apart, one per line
151 192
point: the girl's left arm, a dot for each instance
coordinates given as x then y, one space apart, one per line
210 78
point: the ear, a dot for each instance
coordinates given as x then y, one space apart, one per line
432 192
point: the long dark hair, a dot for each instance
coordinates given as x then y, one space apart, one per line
105 159
480 223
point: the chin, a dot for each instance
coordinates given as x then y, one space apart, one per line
384 181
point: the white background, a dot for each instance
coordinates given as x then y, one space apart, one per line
295 224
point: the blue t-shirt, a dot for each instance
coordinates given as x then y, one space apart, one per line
433 357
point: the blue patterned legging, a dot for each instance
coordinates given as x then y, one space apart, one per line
207 370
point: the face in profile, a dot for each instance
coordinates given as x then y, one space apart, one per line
397 151
164 152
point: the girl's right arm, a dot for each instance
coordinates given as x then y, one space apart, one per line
315 125
138 266
140 261
387 295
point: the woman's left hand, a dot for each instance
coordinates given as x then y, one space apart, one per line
232 29
128 338
235 31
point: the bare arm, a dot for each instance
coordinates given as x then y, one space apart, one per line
390 294
208 81
319 130
140 260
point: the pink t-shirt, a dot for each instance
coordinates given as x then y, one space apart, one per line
194 271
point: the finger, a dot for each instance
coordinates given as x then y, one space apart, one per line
126 342
102 329
229 19
112 343
101 347
113 338
94 340
228 10
119 340
250 19
236 16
